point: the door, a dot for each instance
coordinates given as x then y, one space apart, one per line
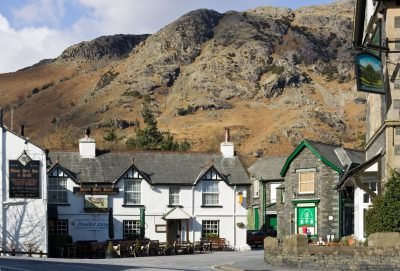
306 220
348 220
256 219
272 222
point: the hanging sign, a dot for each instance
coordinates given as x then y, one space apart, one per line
369 73
96 203
24 179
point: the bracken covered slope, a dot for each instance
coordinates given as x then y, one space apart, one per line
272 75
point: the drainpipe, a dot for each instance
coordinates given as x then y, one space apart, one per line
192 220
3 161
264 204
234 216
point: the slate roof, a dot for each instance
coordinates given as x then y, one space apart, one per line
268 168
158 167
326 152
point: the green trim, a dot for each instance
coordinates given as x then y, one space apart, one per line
297 201
264 207
299 148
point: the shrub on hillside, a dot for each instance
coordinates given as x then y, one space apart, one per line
384 215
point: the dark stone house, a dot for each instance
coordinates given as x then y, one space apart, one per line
297 194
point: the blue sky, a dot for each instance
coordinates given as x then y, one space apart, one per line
31 30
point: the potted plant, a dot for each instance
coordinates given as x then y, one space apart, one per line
110 251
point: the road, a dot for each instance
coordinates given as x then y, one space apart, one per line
250 260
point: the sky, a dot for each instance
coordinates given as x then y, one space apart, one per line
32 30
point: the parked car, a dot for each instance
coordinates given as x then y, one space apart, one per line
256 237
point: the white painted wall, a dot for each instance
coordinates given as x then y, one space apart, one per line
23 221
156 201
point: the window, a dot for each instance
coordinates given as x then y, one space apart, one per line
174 195
273 191
58 226
372 186
210 228
397 21
132 191
131 229
256 188
57 188
396 149
210 188
306 182
210 193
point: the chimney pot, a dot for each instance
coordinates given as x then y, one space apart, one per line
22 130
87 132
1 117
227 135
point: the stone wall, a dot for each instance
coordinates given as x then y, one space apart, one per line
296 253
325 180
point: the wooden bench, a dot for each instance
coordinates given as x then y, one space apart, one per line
216 243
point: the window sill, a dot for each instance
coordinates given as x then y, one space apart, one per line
211 206
59 204
132 205
174 205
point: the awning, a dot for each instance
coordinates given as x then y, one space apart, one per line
352 172
176 213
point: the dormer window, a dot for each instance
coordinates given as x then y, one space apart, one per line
132 188
210 188
57 191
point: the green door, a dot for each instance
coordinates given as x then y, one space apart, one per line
272 222
306 220
256 219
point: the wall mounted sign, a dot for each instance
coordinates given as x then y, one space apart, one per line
161 228
90 224
96 203
24 178
369 73
96 190
306 220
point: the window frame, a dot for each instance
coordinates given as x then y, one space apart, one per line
210 179
173 194
210 227
274 192
300 182
130 227
60 226
256 188
132 176
56 177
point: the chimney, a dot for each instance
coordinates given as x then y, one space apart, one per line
22 130
87 146
227 148
1 117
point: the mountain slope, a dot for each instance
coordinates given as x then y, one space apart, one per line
273 75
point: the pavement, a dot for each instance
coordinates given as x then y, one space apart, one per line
255 263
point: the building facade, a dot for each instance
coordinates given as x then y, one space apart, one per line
23 213
173 196
377 34
265 193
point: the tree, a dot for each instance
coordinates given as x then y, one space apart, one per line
384 215
150 137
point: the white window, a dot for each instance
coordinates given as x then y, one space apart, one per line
174 195
256 188
57 192
58 226
372 186
210 228
131 229
132 191
210 193
274 191
306 182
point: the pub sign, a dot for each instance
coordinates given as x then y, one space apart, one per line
369 73
24 179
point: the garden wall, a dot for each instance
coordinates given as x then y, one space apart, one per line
383 253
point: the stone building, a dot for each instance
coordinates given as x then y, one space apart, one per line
376 40
265 192
310 203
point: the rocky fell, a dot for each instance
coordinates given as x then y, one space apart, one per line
272 75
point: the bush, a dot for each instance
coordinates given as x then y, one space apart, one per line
384 215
